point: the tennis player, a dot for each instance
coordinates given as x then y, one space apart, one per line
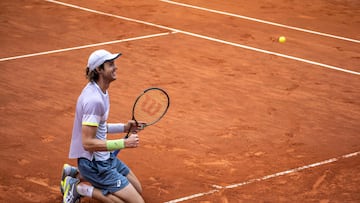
111 180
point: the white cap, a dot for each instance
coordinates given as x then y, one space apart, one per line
98 57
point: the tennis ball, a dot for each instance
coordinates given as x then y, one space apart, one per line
282 39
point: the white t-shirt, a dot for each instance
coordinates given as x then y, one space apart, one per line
92 109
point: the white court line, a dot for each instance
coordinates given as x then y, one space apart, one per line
261 21
84 46
273 53
112 15
265 177
208 38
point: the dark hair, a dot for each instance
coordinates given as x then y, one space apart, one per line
93 76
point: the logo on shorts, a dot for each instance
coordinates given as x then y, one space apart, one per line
118 184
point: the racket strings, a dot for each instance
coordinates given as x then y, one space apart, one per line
151 106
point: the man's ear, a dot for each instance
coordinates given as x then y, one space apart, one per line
98 70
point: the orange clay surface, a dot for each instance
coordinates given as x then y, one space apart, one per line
236 114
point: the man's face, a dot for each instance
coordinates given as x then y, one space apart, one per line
110 71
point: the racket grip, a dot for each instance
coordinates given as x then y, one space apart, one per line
116 152
128 134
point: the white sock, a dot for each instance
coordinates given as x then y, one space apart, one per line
85 190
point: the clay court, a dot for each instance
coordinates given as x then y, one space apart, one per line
251 119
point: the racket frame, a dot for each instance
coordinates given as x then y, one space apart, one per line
153 122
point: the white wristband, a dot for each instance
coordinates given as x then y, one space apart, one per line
115 127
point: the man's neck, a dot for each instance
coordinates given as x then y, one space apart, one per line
103 85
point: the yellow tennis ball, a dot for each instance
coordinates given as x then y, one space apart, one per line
282 39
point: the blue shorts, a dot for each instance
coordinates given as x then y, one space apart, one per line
109 176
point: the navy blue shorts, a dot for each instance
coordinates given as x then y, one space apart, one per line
109 176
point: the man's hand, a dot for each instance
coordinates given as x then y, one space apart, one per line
132 127
132 141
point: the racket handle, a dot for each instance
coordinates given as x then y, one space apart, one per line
127 135
116 152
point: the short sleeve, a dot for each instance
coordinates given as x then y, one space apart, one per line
93 111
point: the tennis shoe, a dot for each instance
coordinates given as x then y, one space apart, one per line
67 170
70 193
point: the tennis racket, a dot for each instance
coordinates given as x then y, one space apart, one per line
149 107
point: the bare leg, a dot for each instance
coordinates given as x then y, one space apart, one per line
129 194
134 188
134 181
97 194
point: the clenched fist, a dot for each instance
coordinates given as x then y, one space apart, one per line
132 141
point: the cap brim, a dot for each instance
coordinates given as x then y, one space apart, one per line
112 57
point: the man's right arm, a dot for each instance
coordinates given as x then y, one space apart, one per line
91 143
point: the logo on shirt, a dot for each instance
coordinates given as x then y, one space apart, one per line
118 184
